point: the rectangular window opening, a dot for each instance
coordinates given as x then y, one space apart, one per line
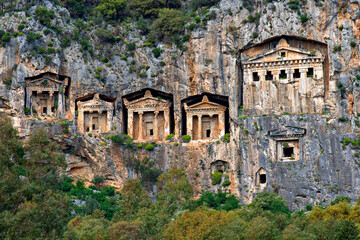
268 76
44 110
296 73
256 76
283 74
288 152
262 178
283 54
151 132
310 72
208 132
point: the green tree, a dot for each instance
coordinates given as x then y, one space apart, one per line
111 9
134 199
205 224
271 202
126 230
146 8
169 23
175 190
92 227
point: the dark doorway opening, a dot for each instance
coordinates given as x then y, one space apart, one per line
288 152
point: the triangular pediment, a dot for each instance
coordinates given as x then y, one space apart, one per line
287 131
148 99
205 103
45 79
276 55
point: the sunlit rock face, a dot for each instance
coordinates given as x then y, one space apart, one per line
285 90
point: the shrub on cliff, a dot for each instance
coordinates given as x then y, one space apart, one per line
44 15
216 177
168 23
111 9
149 147
226 138
186 138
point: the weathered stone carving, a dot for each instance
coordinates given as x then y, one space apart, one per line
45 94
219 165
287 143
148 117
282 76
205 120
95 115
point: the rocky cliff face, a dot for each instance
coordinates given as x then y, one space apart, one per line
328 165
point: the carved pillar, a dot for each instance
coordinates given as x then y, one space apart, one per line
166 121
141 125
49 103
28 98
90 123
199 127
130 123
189 123
156 127
60 109
80 120
221 122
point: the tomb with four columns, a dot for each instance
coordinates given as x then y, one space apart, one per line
148 117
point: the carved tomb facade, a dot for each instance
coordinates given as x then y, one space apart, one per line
148 118
205 120
45 94
95 115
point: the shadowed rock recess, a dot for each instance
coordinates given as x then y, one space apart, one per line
272 103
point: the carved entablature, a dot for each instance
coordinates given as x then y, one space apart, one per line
284 55
147 103
205 107
287 132
96 104
287 143
205 120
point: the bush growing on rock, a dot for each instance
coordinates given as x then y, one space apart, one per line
226 138
186 138
149 147
216 178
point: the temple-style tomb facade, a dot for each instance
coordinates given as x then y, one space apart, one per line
45 95
284 74
205 120
94 115
148 117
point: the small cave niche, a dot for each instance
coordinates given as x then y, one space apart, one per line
261 177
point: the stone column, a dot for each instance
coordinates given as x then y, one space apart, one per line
199 126
90 123
303 81
189 123
221 122
61 104
166 121
141 125
81 119
130 123
49 105
156 127
28 99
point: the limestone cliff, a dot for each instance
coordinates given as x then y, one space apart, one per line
210 63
